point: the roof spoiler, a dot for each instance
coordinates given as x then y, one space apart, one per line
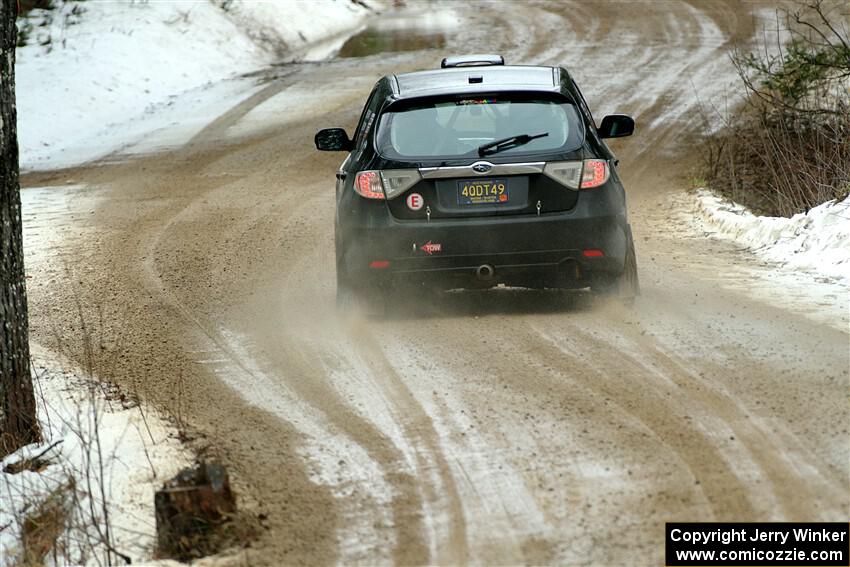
472 61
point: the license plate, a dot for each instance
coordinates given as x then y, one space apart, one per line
482 192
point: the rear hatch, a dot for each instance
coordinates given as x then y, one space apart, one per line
498 136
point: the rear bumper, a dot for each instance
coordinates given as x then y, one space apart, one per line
545 250
550 269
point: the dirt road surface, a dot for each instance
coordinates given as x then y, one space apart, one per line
503 427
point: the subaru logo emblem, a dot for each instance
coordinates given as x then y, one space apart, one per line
481 167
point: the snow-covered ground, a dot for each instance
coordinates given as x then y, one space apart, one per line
817 242
105 457
799 264
99 77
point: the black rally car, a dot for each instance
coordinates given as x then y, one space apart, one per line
478 174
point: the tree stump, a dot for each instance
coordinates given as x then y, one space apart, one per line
190 508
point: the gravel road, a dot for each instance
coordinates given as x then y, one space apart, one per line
497 427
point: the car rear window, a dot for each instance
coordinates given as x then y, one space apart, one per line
457 127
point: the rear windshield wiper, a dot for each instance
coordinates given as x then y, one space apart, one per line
508 143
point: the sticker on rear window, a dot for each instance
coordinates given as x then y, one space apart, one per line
475 101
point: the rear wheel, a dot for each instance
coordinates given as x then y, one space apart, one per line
343 287
346 296
625 286
353 295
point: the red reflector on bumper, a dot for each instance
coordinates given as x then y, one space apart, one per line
593 253
379 264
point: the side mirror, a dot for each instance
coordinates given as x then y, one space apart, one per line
616 126
333 140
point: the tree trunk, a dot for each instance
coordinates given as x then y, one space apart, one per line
18 423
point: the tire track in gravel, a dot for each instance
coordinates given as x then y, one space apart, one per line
309 382
414 423
620 378
662 88
527 370
300 368
508 526
796 492
799 496
420 431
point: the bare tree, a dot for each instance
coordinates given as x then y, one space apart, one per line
788 149
18 423
813 62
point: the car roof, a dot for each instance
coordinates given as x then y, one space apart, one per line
485 78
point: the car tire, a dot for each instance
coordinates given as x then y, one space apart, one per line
346 297
343 287
626 285
354 296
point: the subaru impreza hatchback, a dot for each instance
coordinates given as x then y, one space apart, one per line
479 174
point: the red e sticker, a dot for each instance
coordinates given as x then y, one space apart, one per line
415 201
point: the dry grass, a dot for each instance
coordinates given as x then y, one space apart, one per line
787 148
780 163
43 526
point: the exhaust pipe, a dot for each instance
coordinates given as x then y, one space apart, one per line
484 272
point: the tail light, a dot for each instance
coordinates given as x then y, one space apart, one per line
368 184
566 173
595 173
397 181
585 174
385 184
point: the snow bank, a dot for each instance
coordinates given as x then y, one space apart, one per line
817 242
306 29
138 450
111 69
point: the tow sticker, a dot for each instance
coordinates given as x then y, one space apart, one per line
415 202
431 247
